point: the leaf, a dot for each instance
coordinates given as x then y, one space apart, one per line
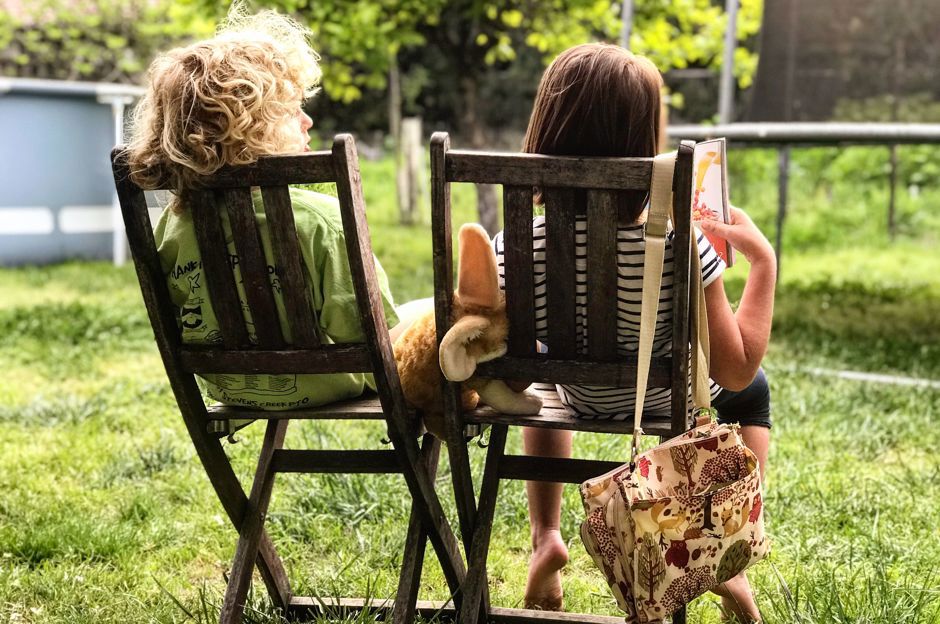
651 568
734 560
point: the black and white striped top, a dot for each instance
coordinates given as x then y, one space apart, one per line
597 401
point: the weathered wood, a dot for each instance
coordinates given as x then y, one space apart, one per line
237 356
602 275
249 540
475 584
681 246
544 171
306 607
289 267
561 293
346 461
416 538
555 469
217 269
368 408
517 256
160 309
442 245
340 358
385 371
252 266
620 374
310 168
557 177
561 418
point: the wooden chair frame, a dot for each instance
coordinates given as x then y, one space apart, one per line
558 178
230 190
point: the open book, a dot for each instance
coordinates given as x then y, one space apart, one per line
710 191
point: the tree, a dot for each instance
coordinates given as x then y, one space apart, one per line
361 40
100 40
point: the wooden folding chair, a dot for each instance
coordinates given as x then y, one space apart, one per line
561 180
229 191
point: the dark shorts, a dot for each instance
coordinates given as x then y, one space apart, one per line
749 407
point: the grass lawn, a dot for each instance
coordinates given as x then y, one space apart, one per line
106 515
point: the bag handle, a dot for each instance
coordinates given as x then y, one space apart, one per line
655 247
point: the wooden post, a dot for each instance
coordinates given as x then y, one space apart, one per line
783 175
892 193
409 175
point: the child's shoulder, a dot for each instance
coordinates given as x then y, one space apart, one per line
315 208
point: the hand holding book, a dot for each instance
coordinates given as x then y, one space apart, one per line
743 235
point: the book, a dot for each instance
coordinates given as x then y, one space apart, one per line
710 191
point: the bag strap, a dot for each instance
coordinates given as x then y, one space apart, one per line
655 247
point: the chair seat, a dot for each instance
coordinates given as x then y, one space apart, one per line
227 419
556 415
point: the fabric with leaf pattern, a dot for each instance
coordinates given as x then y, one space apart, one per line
687 517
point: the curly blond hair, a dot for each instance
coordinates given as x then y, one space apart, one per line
224 101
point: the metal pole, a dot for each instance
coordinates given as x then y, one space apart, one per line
783 176
892 193
119 239
626 14
726 87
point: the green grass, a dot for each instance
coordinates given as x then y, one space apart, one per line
106 515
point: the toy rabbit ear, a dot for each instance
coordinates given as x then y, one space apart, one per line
477 278
456 362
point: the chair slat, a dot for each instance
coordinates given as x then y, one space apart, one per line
217 270
561 292
329 359
602 272
517 258
544 368
288 263
311 168
544 171
253 267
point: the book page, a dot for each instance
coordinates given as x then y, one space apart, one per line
710 191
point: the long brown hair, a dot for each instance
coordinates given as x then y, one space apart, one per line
598 99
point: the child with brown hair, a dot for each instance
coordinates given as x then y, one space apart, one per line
230 100
601 100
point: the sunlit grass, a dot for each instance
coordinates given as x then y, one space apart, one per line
106 515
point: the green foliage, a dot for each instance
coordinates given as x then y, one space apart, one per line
99 40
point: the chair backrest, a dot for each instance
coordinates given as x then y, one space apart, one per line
228 192
569 186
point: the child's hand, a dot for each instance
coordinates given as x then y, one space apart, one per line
743 236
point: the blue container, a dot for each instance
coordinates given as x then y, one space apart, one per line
57 201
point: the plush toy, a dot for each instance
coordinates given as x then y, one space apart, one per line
478 334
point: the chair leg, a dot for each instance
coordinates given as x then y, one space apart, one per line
252 525
459 459
235 502
427 502
413 559
470 607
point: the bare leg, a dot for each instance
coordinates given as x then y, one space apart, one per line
549 553
737 598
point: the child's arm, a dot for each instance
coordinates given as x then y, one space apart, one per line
739 340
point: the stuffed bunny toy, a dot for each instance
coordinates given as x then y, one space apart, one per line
478 334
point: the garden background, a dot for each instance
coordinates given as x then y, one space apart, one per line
105 512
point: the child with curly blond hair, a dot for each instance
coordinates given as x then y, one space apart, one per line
230 100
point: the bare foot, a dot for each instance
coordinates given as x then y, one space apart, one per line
737 600
543 588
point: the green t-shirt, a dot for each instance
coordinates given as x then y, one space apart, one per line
323 247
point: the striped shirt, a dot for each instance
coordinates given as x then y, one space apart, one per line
598 401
